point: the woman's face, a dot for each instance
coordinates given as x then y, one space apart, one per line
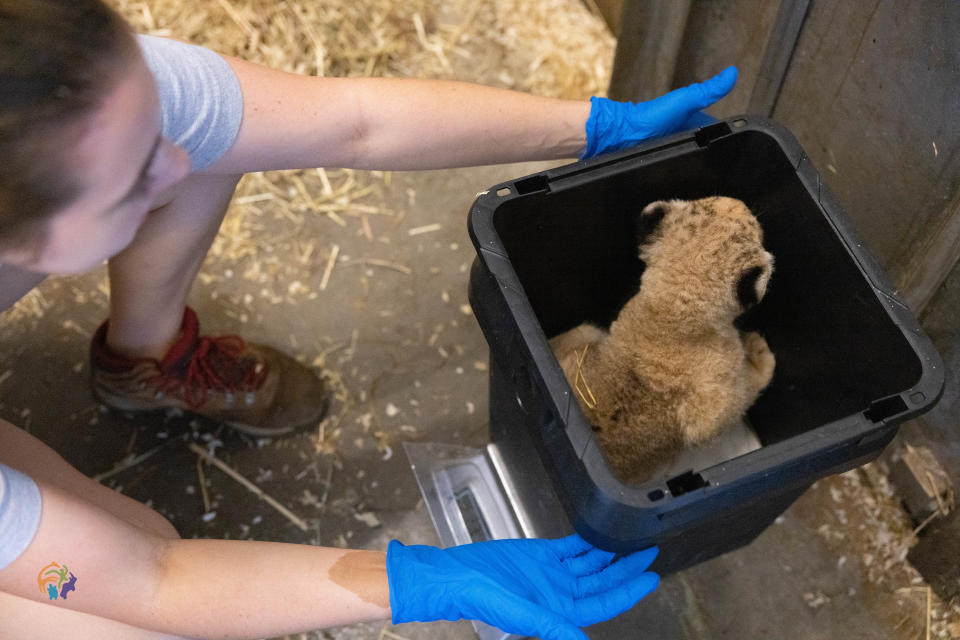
125 169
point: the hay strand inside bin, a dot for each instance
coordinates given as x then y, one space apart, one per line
580 382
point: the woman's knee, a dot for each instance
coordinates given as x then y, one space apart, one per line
26 453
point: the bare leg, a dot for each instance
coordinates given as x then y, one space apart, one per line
253 388
150 279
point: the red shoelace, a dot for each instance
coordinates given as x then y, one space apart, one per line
214 365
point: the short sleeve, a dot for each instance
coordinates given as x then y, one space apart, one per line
20 508
200 98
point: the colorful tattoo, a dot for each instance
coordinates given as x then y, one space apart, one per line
53 581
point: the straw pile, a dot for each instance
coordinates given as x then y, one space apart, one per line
550 47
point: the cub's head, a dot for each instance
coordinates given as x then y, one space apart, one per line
705 258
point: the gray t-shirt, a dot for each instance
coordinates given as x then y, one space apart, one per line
200 98
20 509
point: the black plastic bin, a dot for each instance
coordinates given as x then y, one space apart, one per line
557 248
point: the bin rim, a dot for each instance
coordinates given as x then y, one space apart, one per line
494 258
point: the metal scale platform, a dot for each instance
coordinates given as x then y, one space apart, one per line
471 497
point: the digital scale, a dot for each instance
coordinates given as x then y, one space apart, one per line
497 492
471 497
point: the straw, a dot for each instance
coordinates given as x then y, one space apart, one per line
260 493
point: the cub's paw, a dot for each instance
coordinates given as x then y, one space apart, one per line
759 357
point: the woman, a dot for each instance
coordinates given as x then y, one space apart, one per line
129 148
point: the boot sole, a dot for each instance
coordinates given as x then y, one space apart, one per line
119 405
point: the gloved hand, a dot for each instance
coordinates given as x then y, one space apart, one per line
542 588
617 125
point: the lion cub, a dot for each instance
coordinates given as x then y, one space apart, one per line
673 372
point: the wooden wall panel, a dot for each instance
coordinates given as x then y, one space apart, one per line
724 32
610 10
873 95
651 35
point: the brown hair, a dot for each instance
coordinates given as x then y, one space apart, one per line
57 60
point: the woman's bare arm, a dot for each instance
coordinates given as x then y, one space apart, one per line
195 588
295 121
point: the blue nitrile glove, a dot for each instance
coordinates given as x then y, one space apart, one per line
542 588
617 125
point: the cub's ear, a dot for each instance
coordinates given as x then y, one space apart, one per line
747 292
650 218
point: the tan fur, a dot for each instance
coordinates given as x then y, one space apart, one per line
673 371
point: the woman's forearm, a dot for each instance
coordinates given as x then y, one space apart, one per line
247 589
121 568
192 588
294 121
427 124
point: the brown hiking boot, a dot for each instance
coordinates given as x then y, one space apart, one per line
252 388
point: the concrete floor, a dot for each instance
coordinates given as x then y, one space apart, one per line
407 362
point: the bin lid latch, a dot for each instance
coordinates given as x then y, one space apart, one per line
705 135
